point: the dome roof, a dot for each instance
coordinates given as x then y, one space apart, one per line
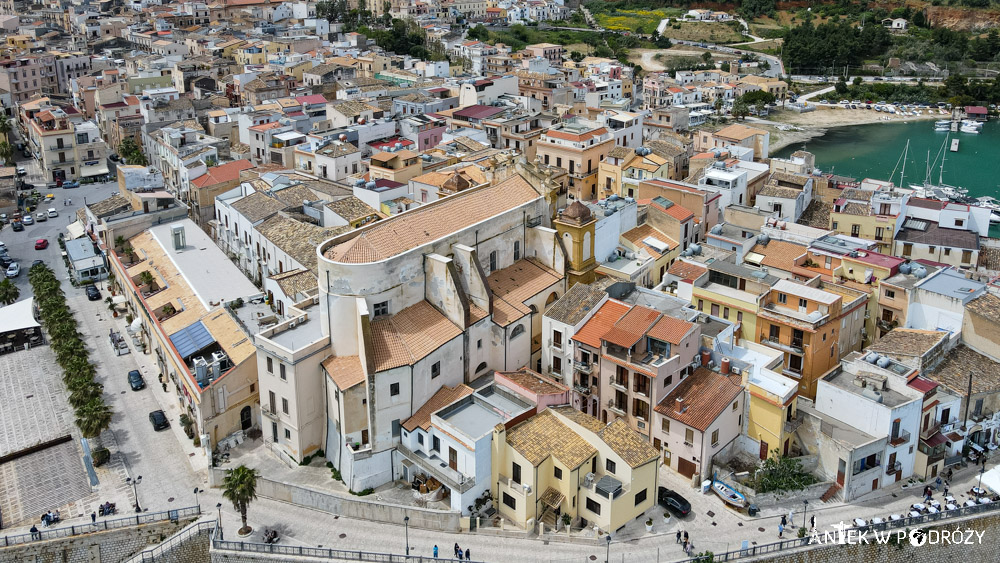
578 211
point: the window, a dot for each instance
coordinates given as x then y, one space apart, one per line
701 305
803 303
782 298
557 473
688 437
393 389
517 250
556 364
947 252
665 425
593 506
959 222
509 501
395 428
272 400
284 405
725 312
435 369
420 439
479 344
270 366
966 256
715 438
281 371
736 405
518 331
557 339
436 444
515 473
668 380
890 294
381 308
834 225
288 434
609 465
640 497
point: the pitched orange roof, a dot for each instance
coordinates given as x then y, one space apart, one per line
222 173
603 320
676 211
410 335
630 328
670 329
704 395
686 270
345 371
780 254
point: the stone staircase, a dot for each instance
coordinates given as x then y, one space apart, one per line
548 518
831 494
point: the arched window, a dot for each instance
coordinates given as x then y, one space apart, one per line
551 299
481 367
518 331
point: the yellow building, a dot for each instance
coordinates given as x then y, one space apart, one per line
865 273
250 54
771 417
577 146
733 292
400 166
201 350
562 461
576 225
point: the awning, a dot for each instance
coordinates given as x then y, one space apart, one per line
977 447
552 498
991 479
936 440
94 170
118 299
75 230
18 316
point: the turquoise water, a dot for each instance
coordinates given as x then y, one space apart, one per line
872 151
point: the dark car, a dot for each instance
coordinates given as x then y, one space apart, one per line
673 502
136 381
37 262
93 293
26 186
17 226
159 420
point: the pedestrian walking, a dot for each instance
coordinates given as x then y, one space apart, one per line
685 546
781 530
467 556
678 536
812 522
460 555
685 536
93 517
35 534
784 521
435 552
456 550
791 518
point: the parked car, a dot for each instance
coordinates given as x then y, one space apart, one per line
26 153
70 185
673 502
13 270
41 217
41 244
21 171
6 261
159 420
28 219
25 186
93 293
53 212
17 226
37 262
136 382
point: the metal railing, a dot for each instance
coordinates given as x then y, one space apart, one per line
902 523
110 524
192 531
900 439
323 552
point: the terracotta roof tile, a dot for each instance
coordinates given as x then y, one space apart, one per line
576 303
427 223
640 233
257 206
294 282
627 443
534 381
630 328
958 363
543 435
987 306
780 254
686 270
603 320
908 341
670 329
517 283
444 397
344 371
705 395
410 335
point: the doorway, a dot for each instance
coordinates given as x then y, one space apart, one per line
452 458
841 469
763 450
245 421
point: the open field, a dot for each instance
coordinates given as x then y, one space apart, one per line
654 60
584 48
710 32
640 21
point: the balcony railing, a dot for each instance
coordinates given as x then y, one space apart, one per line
795 347
582 389
268 412
584 367
454 479
900 439
616 407
893 467
930 430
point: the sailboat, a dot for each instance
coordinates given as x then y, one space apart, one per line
940 190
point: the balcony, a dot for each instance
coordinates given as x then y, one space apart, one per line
796 346
618 384
583 367
902 438
893 467
930 430
616 407
582 389
268 412
451 478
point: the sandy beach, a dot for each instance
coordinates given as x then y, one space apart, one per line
815 123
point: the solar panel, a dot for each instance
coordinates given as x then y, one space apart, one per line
191 339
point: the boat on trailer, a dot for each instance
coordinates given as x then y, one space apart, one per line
728 494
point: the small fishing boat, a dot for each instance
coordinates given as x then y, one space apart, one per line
968 129
942 128
943 122
954 145
729 495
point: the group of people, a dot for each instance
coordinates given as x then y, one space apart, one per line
270 536
50 517
785 520
459 554
682 538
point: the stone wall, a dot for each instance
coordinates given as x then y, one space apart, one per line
112 546
351 507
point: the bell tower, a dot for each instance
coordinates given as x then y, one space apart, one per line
576 227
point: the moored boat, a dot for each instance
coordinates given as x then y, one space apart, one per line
728 494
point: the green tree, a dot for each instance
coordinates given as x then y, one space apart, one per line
479 33
576 56
740 109
5 127
841 86
760 107
8 292
7 153
131 153
758 96
240 488
706 56
93 418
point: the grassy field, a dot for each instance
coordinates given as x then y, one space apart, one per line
580 48
712 32
639 21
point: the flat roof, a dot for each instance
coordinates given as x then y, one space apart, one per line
472 418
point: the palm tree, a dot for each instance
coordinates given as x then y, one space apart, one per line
240 488
146 278
740 109
8 292
7 153
5 127
93 418
84 393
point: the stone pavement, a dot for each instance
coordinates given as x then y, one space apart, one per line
34 399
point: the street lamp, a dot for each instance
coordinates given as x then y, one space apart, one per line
135 491
196 491
219 507
982 469
406 528
607 558
805 513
